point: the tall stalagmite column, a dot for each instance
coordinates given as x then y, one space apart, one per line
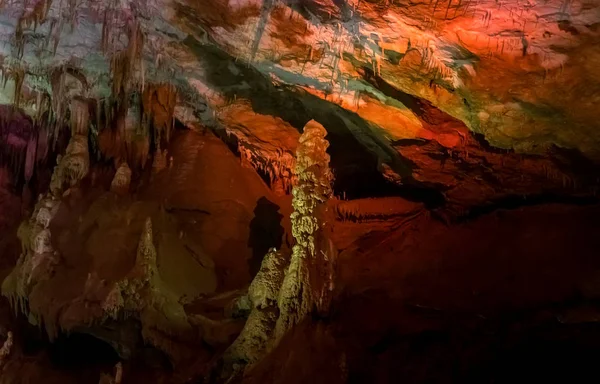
308 280
283 294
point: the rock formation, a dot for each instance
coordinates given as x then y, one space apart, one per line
37 255
122 179
6 348
72 167
142 294
288 289
118 377
256 338
309 279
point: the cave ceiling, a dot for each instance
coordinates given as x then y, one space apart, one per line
467 98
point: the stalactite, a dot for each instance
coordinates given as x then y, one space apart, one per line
57 82
106 27
279 168
19 39
124 63
30 157
19 78
80 116
158 106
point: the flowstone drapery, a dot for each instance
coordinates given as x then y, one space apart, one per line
284 293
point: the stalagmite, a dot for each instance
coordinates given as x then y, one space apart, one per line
122 179
309 279
107 379
144 294
283 296
6 348
37 258
253 342
73 166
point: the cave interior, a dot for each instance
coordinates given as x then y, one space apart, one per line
299 191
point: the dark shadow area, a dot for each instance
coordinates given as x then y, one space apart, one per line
518 351
266 232
519 201
21 143
574 162
80 349
508 298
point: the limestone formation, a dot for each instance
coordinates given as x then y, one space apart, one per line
452 104
143 294
264 289
37 258
117 379
160 161
80 116
253 342
283 295
6 348
72 167
122 179
42 242
308 281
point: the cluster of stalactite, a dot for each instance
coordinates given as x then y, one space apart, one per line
380 209
127 126
38 257
67 122
279 170
290 287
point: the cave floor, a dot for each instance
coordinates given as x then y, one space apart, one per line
510 296
507 296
